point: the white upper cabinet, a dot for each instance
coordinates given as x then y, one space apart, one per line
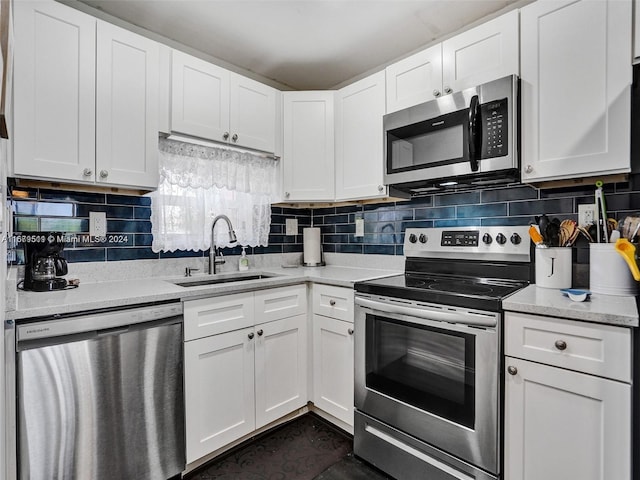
199 98
86 99
484 53
126 108
213 103
359 139
415 79
575 88
308 150
253 113
54 92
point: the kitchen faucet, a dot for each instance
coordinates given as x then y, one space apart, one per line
213 261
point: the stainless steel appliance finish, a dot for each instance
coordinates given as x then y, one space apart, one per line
431 372
467 137
100 396
428 353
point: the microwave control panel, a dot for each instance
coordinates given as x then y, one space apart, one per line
494 128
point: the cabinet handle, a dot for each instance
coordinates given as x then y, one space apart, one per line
332 303
436 93
287 194
380 188
251 335
225 135
260 332
528 169
87 172
234 139
448 90
104 174
561 344
350 331
512 370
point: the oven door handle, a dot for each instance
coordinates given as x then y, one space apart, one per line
466 318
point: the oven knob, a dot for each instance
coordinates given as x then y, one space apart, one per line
422 238
413 238
515 239
486 238
501 239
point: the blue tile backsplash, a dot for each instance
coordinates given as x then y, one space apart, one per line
128 217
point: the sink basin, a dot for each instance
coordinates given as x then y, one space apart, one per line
214 280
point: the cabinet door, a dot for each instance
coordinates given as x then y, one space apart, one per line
481 54
281 368
199 98
414 80
308 155
127 108
576 78
219 391
561 424
359 142
54 92
253 114
333 367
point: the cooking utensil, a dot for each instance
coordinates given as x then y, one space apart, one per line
602 234
568 232
536 238
615 235
552 233
628 251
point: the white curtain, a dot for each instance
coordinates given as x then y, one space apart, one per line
197 183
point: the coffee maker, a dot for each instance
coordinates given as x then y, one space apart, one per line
43 264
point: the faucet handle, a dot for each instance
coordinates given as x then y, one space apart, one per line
188 270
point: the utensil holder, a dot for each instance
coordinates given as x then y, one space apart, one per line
609 274
553 267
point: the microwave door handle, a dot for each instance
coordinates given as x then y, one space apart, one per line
475 133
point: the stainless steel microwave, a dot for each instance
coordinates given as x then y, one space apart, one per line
466 138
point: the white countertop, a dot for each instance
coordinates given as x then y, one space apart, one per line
605 309
98 295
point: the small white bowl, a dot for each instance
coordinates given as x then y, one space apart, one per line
576 295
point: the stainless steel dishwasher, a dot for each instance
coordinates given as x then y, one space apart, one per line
100 395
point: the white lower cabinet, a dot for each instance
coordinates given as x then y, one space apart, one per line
219 391
560 422
333 351
242 379
280 368
333 367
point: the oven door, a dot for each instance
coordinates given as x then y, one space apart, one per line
431 372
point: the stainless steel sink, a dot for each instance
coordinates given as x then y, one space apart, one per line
233 278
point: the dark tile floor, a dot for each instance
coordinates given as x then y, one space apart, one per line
307 448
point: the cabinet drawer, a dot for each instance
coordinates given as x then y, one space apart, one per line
277 303
602 350
336 302
210 316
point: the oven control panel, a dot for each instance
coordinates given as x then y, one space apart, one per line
460 239
499 243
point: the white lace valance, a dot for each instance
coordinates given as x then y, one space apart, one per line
197 166
197 183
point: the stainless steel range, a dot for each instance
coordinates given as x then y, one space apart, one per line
428 353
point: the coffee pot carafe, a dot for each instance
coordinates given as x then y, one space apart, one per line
44 266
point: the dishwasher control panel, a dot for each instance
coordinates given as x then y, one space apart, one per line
89 322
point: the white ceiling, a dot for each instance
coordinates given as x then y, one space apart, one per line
303 44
